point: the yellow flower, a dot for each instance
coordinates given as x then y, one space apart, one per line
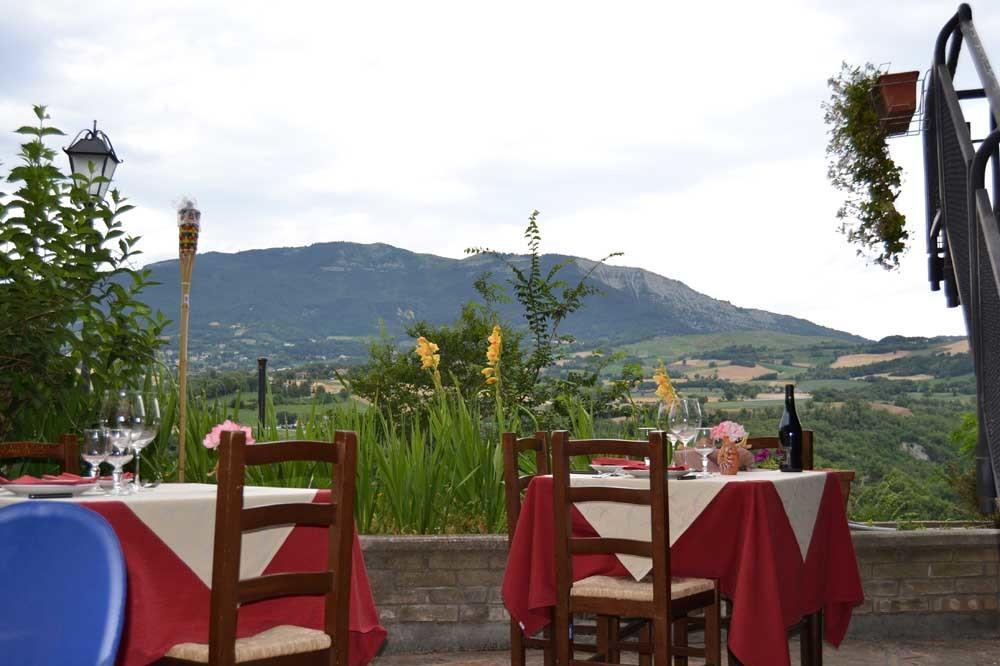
664 388
492 373
427 351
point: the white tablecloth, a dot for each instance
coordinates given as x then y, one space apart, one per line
800 494
183 516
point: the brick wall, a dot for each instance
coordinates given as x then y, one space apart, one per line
443 593
928 580
439 593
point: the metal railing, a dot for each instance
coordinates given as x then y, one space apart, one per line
963 239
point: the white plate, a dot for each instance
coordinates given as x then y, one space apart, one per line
605 469
26 489
644 473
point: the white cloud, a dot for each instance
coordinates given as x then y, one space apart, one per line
687 135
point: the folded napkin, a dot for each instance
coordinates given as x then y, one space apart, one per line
72 480
3 480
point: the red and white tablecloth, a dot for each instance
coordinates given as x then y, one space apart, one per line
778 543
167 537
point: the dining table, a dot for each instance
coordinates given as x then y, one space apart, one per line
777 543
167 535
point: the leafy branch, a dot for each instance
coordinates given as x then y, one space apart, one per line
545 299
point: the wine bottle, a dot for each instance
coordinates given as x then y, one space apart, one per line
790 434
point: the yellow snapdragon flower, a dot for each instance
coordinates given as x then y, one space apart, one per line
664 388
492 371
429 358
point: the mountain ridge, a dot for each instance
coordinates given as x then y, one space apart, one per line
325 300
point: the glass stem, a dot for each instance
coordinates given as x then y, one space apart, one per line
117 476
704 464
138 463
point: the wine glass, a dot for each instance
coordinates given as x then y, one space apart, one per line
94 449
119 453
116 410
684 418
704 445
145 425
662 418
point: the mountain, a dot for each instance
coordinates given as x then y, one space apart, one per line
325 300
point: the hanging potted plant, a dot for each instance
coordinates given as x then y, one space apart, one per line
896 101
859 164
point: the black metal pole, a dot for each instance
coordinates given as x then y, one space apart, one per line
261 390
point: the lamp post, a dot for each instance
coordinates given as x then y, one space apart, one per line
92 156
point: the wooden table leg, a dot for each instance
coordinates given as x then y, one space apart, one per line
811 639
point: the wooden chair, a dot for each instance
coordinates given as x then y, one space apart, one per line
284 645
66 452
663 600
515 484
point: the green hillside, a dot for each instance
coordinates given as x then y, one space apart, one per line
322 302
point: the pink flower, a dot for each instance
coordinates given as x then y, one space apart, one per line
729 429
214 438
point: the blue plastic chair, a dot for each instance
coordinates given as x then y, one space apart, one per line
62 581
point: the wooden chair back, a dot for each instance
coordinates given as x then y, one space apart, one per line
515 483
772 443
231 520
655 497
66 452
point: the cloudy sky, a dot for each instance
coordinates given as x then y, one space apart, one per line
689 138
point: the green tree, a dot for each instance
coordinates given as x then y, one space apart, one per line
71 322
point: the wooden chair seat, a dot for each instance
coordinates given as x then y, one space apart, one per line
280 641
610 587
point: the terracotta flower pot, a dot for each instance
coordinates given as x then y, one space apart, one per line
896 101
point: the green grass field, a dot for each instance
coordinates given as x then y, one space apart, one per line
673 348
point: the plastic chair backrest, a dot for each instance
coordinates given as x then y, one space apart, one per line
62 576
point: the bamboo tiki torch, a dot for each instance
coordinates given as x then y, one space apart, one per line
189 224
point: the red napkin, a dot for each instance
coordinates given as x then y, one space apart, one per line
635 465
3 480
621 462
677 468
49 480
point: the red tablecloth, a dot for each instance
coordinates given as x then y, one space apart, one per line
742 538
168 604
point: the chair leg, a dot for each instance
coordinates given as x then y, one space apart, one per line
680 640
646 636
661 642
613 632
548 654
713 632
561 639
517 656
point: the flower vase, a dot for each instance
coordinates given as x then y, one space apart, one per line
728 458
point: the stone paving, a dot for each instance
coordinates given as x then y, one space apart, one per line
955 652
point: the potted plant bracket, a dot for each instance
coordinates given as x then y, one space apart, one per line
896 101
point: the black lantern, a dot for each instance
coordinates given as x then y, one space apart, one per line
91 154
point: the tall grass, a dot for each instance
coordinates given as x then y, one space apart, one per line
438 471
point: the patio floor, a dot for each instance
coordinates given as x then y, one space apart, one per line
955 652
